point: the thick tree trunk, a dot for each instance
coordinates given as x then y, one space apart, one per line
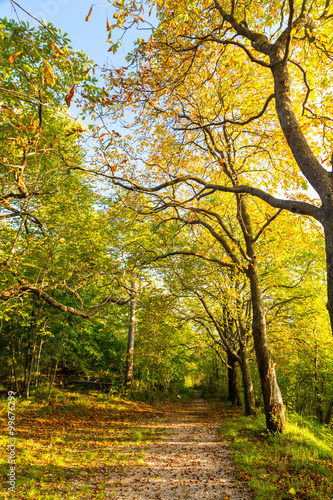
319 178
130 345
328 229
274 408
318 389
249 399
233 383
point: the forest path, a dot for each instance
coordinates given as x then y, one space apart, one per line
190 462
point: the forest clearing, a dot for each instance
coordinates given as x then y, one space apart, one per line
166 255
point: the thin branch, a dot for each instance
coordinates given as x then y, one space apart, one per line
233 122
244 48
289 29
308 89
190 253
266 225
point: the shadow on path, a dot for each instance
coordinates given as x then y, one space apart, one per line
191 462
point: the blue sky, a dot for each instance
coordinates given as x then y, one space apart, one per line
69 16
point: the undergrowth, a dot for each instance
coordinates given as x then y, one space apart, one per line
295 464
75 445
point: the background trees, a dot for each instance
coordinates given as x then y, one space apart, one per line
41 199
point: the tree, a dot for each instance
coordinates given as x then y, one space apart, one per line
131 335
233 232
275 52
39 195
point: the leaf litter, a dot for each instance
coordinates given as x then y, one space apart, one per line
191 462
88 448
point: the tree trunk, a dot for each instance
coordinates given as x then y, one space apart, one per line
14 368
318 388
233 384
329 413
131 334
26 366
30 371
318 177
274 408
38 361
53 378
328 230
249 399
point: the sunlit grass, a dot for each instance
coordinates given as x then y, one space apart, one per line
296 464
76 445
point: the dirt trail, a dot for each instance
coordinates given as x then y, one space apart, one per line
191 462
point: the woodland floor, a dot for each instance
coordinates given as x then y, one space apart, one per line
191 462
97 448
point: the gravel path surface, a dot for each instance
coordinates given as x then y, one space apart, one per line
190 462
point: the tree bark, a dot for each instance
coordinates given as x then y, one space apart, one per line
14 367
38 361
30 370
328 231
319 178
233 383
318 388
274 408
131 335
329 413
249 399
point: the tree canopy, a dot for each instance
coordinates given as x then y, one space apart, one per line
197 223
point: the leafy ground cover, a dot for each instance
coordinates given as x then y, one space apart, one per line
296 464
75 437
76 445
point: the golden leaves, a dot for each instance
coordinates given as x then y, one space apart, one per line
21 185
49 73
70 96
56 48
78 130
14 56
89 13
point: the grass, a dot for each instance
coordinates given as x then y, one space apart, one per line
295 464
78 446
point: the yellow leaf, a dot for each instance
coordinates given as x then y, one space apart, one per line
13 57
292 491
70 96
21 184
56 48
49 73
89 14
